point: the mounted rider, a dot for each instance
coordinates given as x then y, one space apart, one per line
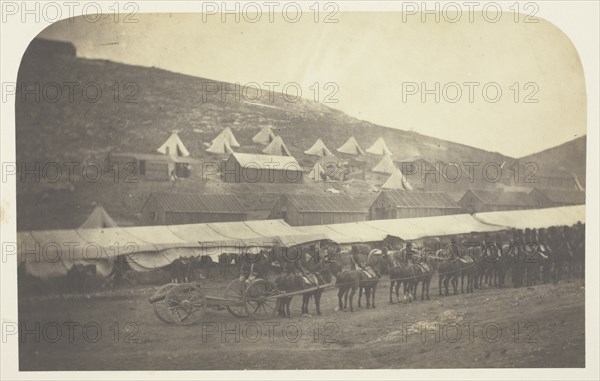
410 253
249 270
454 250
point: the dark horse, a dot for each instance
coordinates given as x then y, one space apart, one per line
400 273
320 270
349 281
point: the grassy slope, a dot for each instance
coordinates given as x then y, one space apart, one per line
83 131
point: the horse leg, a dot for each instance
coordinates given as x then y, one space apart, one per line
423 289
352 292
440 280
373 296
318 301
368 296
340 296
360 292
392 284
455 285
428 284
305 300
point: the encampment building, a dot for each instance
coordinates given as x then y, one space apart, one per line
173 159
253 168
401 204
149 166
298 210
188 208
477 200
557 197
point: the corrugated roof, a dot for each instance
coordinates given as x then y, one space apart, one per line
256 161
322 203
189 202
489 197
404 199
566 196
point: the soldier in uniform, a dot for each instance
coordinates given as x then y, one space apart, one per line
355 259
454 250
410 253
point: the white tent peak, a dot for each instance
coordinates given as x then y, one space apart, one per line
264 136
173 146
316 173
98 218
319 149
379 148
351 147
397 181
227 134
277 147
220 144
386 165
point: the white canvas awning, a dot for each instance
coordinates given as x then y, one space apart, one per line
534 218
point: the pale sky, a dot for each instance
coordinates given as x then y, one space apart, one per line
372 57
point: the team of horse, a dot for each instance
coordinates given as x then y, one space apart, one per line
527 257
479 261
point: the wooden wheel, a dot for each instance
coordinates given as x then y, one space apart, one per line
160 307
259 299
185 304
235 291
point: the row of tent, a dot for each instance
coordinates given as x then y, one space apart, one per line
225 142
47 254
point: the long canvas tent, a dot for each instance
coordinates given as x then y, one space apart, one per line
534 218
52 253
436 226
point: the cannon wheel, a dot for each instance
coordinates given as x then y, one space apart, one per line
235 291
184 304
259 300
160 308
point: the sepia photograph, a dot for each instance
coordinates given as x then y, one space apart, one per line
310 187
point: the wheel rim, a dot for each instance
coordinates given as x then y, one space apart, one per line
258 299
160 307
184 304
235 291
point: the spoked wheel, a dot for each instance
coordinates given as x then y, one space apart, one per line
235 291
184 304
160 308
259 300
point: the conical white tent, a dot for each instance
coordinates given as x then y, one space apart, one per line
227 134
319 149
277 147
173 146
351 147
386 165
379 148
220 145
98 219
316 173
264 136
397 181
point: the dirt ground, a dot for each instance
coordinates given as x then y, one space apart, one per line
541 326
